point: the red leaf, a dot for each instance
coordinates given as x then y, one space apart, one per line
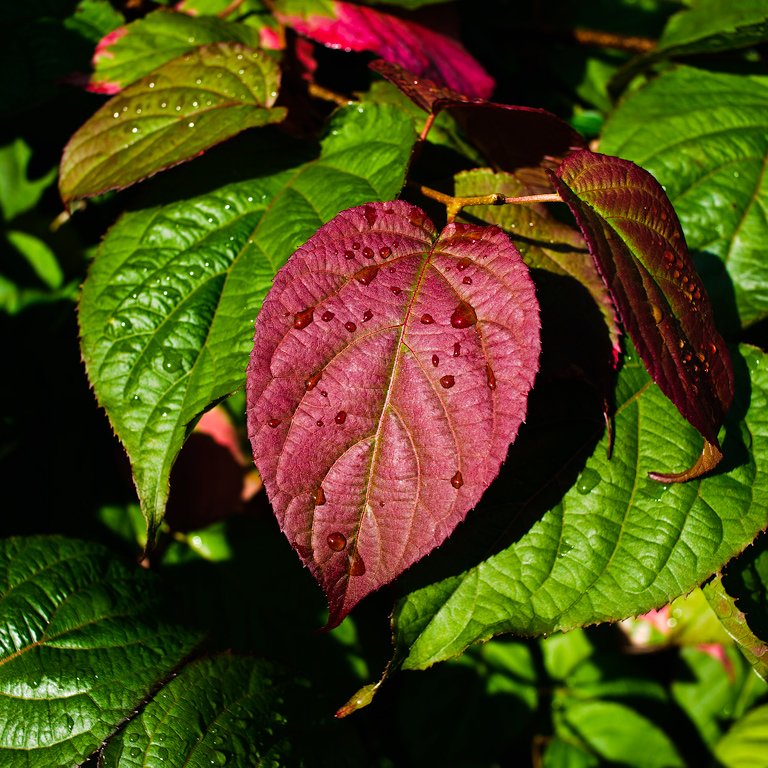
520 140
634 235
422 50
383 391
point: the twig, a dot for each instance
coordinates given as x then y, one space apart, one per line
323 93
229 9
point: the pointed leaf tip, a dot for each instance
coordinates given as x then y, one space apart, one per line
361 699
379 419
708 459
636 239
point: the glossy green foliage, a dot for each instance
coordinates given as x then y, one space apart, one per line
167 311
84 642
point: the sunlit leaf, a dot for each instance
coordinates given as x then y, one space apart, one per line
390 373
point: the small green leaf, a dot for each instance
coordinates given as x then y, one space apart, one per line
83 645
172 115
39 256
167 310
746 744
704 137
233 711
17 192
615 545
144 45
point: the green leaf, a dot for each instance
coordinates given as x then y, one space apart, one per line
81 648
236 711
93 19
141 47
615 545
619 734
746 744
708 26
167 310
18 193
172 115
704 136
39 256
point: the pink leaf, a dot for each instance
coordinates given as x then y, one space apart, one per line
421 50
390 372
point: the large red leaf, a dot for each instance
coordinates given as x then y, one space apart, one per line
636 239
422 50
390 372
519 140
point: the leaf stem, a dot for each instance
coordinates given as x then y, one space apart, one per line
229 9
327 95
455 204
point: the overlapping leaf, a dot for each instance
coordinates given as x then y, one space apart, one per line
420 49
82 646
708 26
520 140
638 244
167 310
172 115
704 136
390 372
137 49
615 545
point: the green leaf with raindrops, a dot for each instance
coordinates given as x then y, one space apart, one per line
616 544
169 116
236 711
85 646
704 136
167 311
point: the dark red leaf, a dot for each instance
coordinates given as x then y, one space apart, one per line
374 437
422 50
523 140
634 234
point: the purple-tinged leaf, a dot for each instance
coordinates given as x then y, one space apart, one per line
384 391
420 49
523 140
172 115
636 239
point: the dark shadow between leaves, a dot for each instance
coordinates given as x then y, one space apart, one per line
735 452
720 290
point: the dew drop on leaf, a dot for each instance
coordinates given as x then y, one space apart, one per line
303 319
349 254
311 383
456 349
463 264
366 276
457 480
370 214
134 751
587 481
385 253
427 319
355 565
328 316
397 291
340 417
463 316
70 723
274 423
356 246
337 541
490 376
350 326
320 497
435 360
368 253
319 423
367 315
658 315
416 217
447 381
467 280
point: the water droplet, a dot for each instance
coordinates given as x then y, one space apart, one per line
320 497
367 315
303 319
328 316
337 541
395 290
416 217
392 270
370 215
133 737
117 114
160 737
587 481
349 254
368 253
366 276
191 125
385 253
70 723
162 752
427 319
355 565
312 382
467 280
218 741
221 757
712 348
463 264
356 246
456 349
655 490
350 326
435 360
491 378
340 417
457 480
319 423
274 423
323 393
463 316
447 381
134 751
